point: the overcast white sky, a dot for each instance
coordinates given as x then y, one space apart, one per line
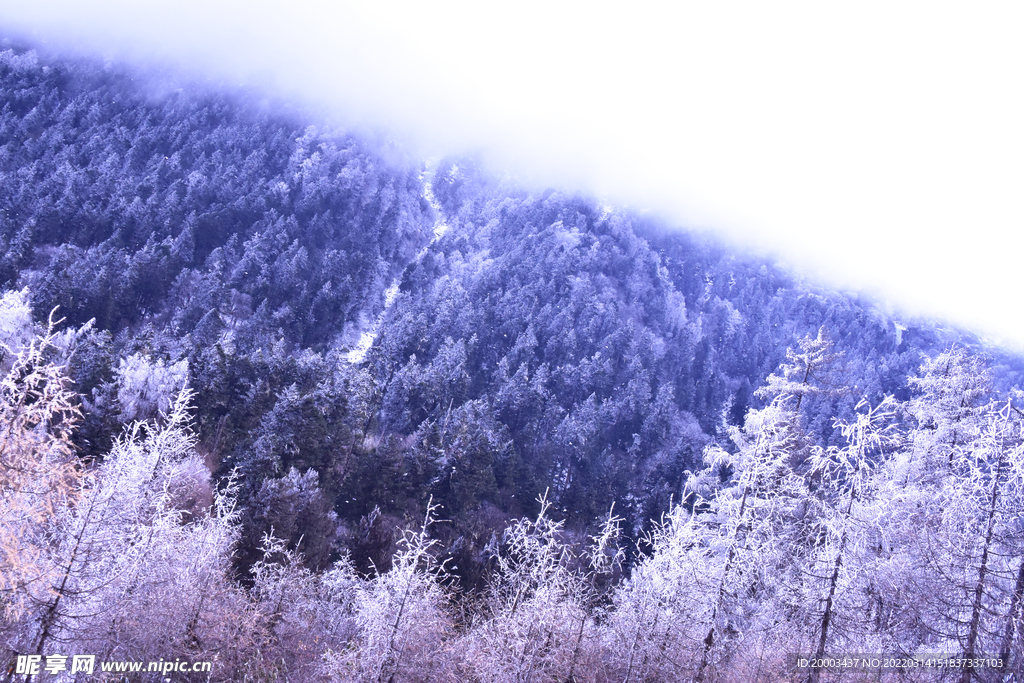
879 145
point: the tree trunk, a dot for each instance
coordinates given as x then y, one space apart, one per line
826 618
1012 620
979 587
709 639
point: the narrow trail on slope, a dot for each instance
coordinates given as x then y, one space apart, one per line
367 336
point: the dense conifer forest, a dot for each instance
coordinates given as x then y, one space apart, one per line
279 400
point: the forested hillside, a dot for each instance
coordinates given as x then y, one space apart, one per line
278 400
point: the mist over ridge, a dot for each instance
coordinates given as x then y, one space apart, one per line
872 146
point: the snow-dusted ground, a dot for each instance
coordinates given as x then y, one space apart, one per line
368 335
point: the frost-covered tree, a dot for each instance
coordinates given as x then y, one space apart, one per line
400 618
139 565
604 556
948 408
706 593
947 417
811 370
305 613
834 575
749 521
651 631
969 562
541 600
39 476
17 329
146 387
